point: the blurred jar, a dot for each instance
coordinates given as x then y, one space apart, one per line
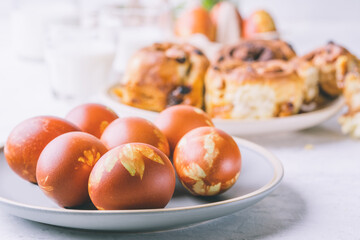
29 19
79 60
137 23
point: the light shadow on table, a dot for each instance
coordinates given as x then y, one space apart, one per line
280 211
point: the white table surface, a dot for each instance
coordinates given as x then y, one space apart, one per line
319 196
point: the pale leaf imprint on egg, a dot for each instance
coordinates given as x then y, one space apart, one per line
161 139
198 111
47 188
110 110
202 189
132 158
210 147
25 172
182 143
43 185
103 125
209 123
194 171
108 165
90 157
132 161
150 154
231 182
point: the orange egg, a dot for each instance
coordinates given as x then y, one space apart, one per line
28 139
134 129
176 121
132 176
64 167
92 118
259 21
207 161
195 20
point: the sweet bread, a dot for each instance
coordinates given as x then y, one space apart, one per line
339 74
163 75
256 50
258 79
258 90
333 62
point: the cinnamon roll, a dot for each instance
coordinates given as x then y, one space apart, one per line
333 62
256 50
257 90
163 75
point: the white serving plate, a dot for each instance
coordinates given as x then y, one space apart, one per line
261 174
245 127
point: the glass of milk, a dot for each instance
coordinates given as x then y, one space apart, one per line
138 24
79 60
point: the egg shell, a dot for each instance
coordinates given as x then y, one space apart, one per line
176 121
195 20
64 167
132 176
92 118
259 21
28 139
207 161
228 22
134 129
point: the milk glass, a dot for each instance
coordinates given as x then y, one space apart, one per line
138 24
79 60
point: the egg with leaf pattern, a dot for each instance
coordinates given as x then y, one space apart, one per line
134 129
92 118
132 176
64 167
28 139
207 161
177 120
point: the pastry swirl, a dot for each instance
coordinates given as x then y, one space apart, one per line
256 50
333 62
162 75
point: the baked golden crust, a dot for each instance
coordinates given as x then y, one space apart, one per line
254 79
339 74
258 90
163 75
256 50
333 62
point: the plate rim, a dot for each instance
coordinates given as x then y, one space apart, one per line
276 164
335 104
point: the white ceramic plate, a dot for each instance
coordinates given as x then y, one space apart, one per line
261 174
246 127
